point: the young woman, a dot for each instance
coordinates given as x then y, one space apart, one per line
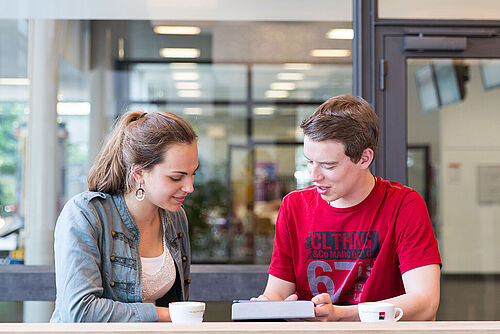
122 251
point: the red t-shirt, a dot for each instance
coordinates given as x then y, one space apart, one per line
355 254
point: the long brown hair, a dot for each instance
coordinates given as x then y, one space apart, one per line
347 119
138 138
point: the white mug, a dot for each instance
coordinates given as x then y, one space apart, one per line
186 311
378 311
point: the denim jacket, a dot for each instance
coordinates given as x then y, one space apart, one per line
98 265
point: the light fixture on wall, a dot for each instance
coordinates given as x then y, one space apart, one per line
188 93
185 76
180 52
282 86
187 85
277 94
297 66
183 66
14 81
192 111
177 30
290 76
340 34
263 110
330 53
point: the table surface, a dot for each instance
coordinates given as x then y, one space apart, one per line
259 327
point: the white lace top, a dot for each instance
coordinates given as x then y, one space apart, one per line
158 276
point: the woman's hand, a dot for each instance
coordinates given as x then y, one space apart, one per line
163 314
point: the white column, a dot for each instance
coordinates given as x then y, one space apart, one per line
42 170
101 90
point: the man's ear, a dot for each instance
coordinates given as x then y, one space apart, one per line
366 158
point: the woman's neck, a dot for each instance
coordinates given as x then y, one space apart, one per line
144 213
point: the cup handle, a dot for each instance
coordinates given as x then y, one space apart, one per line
399 315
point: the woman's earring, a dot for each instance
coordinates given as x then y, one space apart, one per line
140 194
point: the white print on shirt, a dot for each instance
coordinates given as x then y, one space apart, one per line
353 255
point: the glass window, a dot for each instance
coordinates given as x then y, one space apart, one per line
244 81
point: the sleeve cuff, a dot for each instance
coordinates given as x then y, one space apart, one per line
145 312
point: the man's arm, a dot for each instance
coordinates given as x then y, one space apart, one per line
277 289
419 303
421 300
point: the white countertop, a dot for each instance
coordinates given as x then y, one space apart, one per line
259 327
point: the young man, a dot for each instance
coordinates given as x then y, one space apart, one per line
352 237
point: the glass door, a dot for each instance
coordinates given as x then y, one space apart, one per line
441 136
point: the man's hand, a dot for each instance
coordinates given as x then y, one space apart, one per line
261 297
324 309
276 289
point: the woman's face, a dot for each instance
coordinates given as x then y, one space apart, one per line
169 182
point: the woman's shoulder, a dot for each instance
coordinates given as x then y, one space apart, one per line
89 201
88 197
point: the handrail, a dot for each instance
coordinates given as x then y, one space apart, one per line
208 282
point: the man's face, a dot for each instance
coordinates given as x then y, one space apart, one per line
336 177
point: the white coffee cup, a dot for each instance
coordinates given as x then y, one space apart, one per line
186 311
378 311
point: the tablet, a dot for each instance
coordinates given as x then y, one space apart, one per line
271 309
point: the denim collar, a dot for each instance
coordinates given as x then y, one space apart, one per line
125 214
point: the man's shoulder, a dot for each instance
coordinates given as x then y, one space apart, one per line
303 195
396 192
394 187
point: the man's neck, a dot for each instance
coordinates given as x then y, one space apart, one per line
363 189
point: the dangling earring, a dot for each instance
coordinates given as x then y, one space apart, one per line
140 194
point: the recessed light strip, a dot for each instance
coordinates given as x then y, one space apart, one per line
340 34
277 94
290 76
14 81
177 30
180 52
282 86
330 53
185 76
297 66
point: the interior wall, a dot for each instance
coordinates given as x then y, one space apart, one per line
443 9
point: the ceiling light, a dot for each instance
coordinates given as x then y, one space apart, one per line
263 110
187 85
183 66
14 81
282 86
290 76
336 53
277 94
188 93
340 34
297 66
179 52
177 30
186 76
193 111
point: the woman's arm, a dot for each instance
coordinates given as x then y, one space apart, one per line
78 263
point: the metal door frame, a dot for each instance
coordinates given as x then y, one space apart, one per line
389 89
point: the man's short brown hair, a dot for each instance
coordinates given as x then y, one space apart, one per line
346 119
